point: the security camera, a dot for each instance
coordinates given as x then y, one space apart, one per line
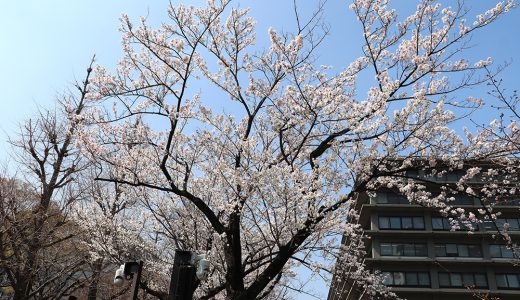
202 265
119 279
203 269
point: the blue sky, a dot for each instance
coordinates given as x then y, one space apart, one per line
46 45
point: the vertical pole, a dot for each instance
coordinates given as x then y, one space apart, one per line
136 281
94 284
184 279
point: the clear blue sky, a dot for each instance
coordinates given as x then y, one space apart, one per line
45 45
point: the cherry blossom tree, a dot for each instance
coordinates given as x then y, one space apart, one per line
117 228
498 143
262 172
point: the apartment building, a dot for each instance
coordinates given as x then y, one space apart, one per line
421 256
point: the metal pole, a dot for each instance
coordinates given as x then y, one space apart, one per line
184 279
136 280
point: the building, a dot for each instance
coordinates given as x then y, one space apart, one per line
422 258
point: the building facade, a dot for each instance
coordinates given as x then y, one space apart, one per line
421 257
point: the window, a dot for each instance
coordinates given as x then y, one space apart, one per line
461 280
476 179
392 198
421 250
434 177
457 199
462 200
508 202
508 281
456 279
412 173
411 279
418 222
455 175
500 251
463 250
408 223
380 198
474 251
397 278
424 278
513 224
395 223
480 280
457 250
440 223
384 223
440 175
451 250
403 249
444 279
385 249
444 176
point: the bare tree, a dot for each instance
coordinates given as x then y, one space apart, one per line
44 261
